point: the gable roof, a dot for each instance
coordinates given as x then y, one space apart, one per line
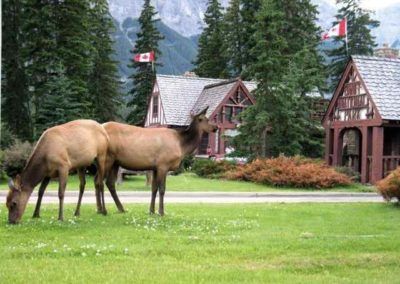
382 79
212 96
178 95
181 94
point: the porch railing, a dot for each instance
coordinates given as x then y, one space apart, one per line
390 163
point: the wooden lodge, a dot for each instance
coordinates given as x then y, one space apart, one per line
174 98
362 122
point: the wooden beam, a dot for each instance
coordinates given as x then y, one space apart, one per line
377 154
364 154
337 147
327 144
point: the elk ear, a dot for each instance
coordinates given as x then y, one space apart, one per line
204 111
11 184
17 182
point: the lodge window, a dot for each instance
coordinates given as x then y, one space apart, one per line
155 106
228 113
238 110
203 144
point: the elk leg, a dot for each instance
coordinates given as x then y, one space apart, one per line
98 197
101 207
161 180
82 183
149 175
62 176
154 188
42 188
99 182
110 182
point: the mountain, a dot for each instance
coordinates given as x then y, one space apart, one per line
186 16
178 51
183 16
389 31
182 22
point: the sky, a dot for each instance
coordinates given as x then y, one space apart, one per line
375 4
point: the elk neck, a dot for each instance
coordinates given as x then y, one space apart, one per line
191 137
33 173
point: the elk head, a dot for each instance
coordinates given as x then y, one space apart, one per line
16 200
203 122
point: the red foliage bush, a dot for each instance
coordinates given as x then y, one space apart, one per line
289 171
389 187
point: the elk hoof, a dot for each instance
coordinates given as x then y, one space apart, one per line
77 214
36 215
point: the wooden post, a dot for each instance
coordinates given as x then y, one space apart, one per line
211 142
327 144
337 147
364 154
221 141
377 154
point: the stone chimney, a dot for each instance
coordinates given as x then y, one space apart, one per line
386 51
190 74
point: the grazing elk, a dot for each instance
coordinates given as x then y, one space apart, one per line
156 149
60 149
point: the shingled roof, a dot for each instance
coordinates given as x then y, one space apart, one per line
182 94
382 79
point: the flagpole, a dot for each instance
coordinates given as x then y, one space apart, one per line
347 40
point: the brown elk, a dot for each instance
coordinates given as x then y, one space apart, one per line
156 149
60 149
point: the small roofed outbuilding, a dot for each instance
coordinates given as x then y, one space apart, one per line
362 122
175 98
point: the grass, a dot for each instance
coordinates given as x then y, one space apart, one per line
191 182
255 243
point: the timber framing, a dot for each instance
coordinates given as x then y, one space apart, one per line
353 112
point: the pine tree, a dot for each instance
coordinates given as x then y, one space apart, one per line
211 58
144 75
74 48
233 44
14 89
59 103
103 79
248 13
40 50
287 67
360 39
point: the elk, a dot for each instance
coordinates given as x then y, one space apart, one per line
157 149
60 149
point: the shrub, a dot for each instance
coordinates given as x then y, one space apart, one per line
352 174
211 168
289 171
15 157
389 187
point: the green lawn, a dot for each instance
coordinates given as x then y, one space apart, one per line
191 182
255 243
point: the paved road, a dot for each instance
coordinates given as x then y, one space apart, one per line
213 197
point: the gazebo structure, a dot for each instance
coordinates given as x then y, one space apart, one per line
362 122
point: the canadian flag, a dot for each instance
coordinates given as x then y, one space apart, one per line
144 57
338 30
